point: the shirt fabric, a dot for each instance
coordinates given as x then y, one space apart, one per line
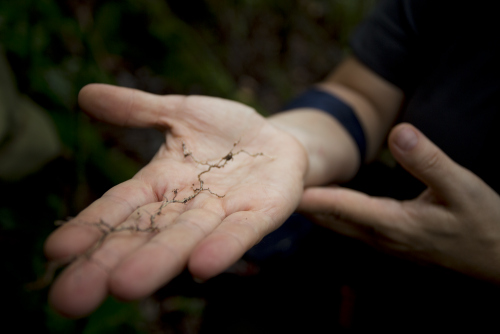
445 56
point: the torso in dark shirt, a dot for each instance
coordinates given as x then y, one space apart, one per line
445 56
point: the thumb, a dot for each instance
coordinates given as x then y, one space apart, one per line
128 107
424 160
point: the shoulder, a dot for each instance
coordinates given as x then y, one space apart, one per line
399 38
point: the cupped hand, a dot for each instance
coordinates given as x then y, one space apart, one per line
150 236
454 223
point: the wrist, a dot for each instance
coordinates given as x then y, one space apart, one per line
319 99
331 151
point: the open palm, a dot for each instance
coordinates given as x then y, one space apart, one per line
150 235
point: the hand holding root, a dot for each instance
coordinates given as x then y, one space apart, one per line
179 210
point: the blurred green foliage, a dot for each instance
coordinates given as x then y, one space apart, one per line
258 52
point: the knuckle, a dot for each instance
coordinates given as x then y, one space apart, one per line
473 186
431 162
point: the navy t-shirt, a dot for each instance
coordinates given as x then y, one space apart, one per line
445 56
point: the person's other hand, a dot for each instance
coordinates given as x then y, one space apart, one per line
454 223
208 233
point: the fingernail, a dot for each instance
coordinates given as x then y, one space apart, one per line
406 139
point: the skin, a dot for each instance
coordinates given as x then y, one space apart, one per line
453 223
208 233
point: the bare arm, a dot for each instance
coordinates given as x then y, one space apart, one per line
331 150
453 223
154 236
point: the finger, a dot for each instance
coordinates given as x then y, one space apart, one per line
350 212
84 285
163 257
222 248
79 289
243 227
128 107
131 107
113 208
424 160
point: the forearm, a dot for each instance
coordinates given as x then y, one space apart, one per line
332 153
332 150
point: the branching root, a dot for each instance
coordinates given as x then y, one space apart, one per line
152 228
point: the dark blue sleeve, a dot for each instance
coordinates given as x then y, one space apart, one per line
318 99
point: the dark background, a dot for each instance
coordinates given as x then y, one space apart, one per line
257 52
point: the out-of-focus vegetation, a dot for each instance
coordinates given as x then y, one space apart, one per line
258 52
